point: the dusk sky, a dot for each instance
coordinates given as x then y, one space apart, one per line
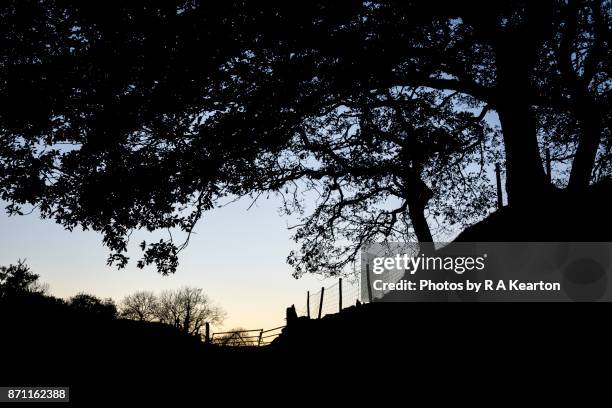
237 257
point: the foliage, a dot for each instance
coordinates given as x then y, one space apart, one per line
19 278
124 116
91 305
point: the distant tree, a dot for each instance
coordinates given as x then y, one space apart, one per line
20 279
188 309
92 305
139 306
42 288
237 338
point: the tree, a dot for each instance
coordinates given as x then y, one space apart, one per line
370 164
16 279
93 306
139 306
576 118
119 116
188 309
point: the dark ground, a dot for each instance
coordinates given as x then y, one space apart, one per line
366 349
559 216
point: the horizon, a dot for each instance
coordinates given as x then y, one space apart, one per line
253 289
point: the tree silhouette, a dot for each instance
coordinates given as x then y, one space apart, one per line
118 117
19 279
141 306
370 164
575 120
188 309
90 305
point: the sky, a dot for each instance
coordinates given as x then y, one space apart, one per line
237 256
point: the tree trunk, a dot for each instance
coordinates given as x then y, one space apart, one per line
418 195
187 320
419 223
584 161
525 176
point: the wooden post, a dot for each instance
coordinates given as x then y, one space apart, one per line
321 301
548 172
207 333
291 315
339 294
500 199
368 282
259 340
308 304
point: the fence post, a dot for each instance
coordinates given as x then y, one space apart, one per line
500 199
321 301
259 340
548 173
207 333
291 315
308 303
368 282
339 294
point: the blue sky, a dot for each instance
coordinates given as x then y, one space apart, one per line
237 256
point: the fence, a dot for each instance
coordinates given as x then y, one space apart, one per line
245 338
331 299
328 300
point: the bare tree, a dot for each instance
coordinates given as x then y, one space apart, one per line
237 337
188 309
139 306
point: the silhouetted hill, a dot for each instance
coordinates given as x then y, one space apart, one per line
44 341
557 217
430 340
455 335
53 344
113 361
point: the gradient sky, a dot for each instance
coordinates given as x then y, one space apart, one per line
237 256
